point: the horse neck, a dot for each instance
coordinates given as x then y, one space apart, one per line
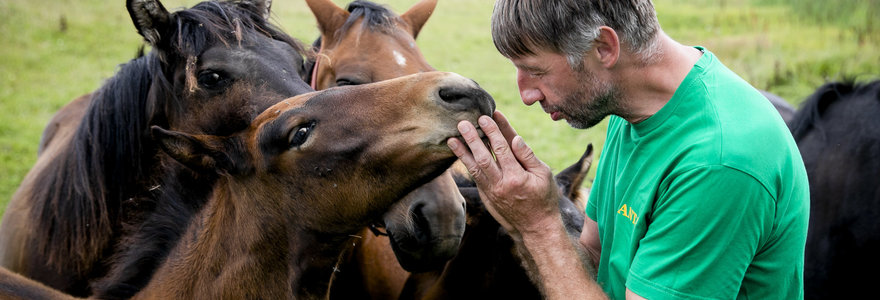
238 246
77 195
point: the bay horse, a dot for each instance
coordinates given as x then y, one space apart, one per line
487 265
366 43
307 173
838 134
102 205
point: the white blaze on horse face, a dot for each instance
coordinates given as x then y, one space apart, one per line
399 58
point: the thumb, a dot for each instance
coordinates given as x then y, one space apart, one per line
524 154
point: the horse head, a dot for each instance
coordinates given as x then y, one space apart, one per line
488 264
367 43
324 169
222 63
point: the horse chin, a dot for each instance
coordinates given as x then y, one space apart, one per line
411 254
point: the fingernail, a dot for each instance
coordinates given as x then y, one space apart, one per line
518 142
463 128
483 121
452 145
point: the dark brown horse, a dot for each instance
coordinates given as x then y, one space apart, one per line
309 172
838 134
102 201
366 43
487 265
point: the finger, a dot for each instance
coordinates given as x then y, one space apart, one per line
505 126
525 155
461 151
500 146
484 164
466 157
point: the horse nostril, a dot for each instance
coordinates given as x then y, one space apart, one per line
453 95
467 98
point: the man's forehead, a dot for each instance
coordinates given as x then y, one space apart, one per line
540 60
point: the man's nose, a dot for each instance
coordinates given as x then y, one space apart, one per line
527 90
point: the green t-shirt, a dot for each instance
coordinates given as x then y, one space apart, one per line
706 199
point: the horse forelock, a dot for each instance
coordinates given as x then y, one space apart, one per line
212 22
375 17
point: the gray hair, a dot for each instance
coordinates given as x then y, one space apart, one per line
569 27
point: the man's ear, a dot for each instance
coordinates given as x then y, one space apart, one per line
202 153
418 14
607 46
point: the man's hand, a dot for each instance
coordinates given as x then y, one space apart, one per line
516 187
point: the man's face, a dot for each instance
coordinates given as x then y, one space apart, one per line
580 97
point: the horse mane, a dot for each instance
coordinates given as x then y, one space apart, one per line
85 185
112 158
809 116
375 17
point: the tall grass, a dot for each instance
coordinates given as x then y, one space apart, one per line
52 51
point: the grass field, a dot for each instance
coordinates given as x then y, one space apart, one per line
54 51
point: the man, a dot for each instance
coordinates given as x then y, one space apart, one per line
700 190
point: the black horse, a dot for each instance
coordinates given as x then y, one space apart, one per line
838 133
102 206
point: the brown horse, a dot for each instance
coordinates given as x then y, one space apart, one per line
305 175
102 201
487 265
366 43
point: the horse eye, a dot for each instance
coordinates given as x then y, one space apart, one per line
300 134
343 81
211 79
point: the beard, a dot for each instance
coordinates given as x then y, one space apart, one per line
591 103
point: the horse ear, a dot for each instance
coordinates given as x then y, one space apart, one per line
149 17
198 152
264 7
418 14
571 179
330 17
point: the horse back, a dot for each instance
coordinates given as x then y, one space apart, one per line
65 121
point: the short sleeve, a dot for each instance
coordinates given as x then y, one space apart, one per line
703 232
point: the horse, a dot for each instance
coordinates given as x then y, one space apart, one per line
488 266
307 173
783 107
838 134
102 205
365 43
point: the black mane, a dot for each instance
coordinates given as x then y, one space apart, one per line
93 176
808 117
211 22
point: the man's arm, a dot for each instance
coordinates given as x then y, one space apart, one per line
519 192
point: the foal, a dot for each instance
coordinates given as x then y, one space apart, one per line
307 173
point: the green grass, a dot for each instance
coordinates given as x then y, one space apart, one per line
777 45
